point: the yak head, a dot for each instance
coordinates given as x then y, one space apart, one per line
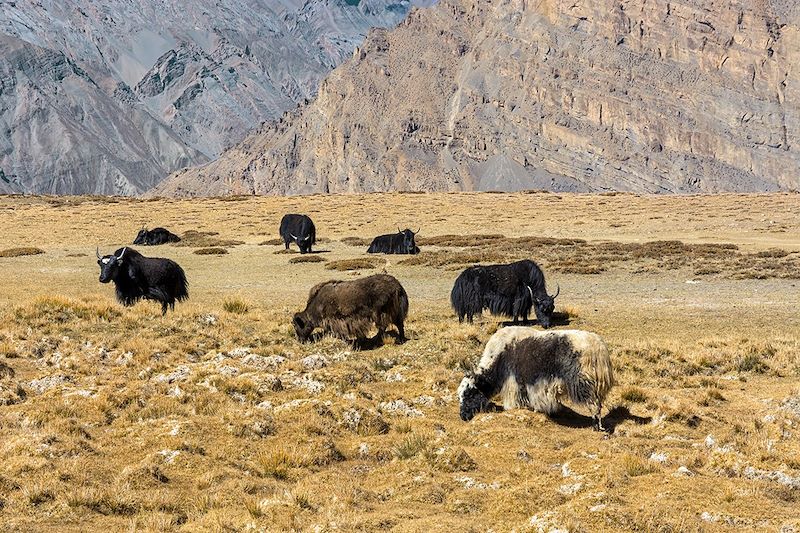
409 246
544 306
302 327
472 400
304 243
109 265
141 237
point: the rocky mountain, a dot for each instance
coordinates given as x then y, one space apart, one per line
110 97
650 96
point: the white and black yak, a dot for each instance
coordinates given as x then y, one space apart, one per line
155 237
349 309
538 369
137 277
401 242
298 229
507 290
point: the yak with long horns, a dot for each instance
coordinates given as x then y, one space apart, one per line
137 277
299 229
508 290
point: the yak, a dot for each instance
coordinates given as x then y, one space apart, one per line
349 309
509 290
401 242
537 370
155 237
138 277
299 229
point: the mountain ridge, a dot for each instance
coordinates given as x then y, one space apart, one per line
647 97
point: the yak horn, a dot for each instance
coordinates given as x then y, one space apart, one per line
119 258
419 228
530 291
293 237
558 290
399 230
97 252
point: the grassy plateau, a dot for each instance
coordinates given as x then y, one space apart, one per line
215 418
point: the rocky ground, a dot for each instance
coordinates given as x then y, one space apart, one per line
215 417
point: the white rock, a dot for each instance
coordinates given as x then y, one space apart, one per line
659 457
397 377
683 471
570 489
169 455
400 407
266 405
181 373
363 449
239 352
598 507
708 517
314 361
228 370
710 441
48 382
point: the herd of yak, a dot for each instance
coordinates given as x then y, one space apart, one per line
525 366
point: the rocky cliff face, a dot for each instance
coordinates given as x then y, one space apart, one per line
636 95
111 97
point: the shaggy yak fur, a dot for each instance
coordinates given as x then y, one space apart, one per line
138 277
506 290
401 242
298 229
349 309
537 370
155 236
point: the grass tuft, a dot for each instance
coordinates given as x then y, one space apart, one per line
361 263
235 305
307 259
211 251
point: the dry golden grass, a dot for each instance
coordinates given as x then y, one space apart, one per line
215 418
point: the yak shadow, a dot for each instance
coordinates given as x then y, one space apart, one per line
371 343
569 418
558 319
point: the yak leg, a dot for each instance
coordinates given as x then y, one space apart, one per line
163 308
401 331
597 419
287 244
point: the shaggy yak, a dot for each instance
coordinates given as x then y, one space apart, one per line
401 242
349 309
299 229
537 369
138 277
509 290
155 236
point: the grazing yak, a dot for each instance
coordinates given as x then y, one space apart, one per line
509 290
138 277
349 309
155 237
537 369
299 229
401 242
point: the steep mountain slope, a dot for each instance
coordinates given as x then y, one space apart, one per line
639 95
143 88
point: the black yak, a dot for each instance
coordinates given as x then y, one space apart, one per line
155 236
138 277
349 309
299 229
509 290
401 242
537 370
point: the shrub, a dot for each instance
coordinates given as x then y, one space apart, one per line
235 305
307 259
17 252
354 264
211 251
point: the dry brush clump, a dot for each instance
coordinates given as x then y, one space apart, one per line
309 258
361 263
205 239
22 251
578 256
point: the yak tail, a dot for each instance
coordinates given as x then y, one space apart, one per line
596 366
182 286
401 303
